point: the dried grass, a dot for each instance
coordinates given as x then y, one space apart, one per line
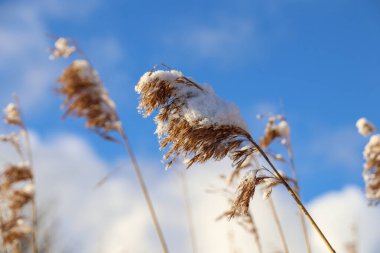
86 97
201 138
17 188
195 141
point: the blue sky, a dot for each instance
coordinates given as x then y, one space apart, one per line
316 61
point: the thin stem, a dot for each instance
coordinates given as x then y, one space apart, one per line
278 224
294 195
34 204
297 188
145 192
24 131
255 232
190 219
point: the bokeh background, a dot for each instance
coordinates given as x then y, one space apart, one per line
317 62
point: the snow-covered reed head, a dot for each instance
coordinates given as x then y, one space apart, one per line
365 127
12 115
277 127
192 119
86 97
16 186
371 155
371 171
62 48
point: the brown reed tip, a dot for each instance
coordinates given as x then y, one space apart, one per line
277 127
86 97
192 121
62 48
12 115
371 171
365 127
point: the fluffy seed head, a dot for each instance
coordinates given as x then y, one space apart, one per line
371 171
12 115
14 173
62 48
245 192
365 127
86 97
276 128
192 119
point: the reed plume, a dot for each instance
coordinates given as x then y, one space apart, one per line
62 48
246 220
277 128
199 126
17 187
86 97
371 154
191 119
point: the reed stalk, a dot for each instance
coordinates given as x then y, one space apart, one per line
278 225
190 220
297 188
294 195
144 189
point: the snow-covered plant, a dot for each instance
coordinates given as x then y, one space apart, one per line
86 97
17 188
192 119
365 127
371 155
62 48
196 124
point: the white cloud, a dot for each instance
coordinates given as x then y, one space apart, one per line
338 212
114 218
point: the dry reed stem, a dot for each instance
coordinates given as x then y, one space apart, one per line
249 223
146 194
278 225
282 130
86 97
295 197
190 220
297 188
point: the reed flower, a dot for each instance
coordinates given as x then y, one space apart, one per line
276 127
195 123
191 119
365 127
371 171
86 97
12 115
371 155
17 187
62 48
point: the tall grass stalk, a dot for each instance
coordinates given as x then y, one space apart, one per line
278 225
294 195
189 213
297 189
144 189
